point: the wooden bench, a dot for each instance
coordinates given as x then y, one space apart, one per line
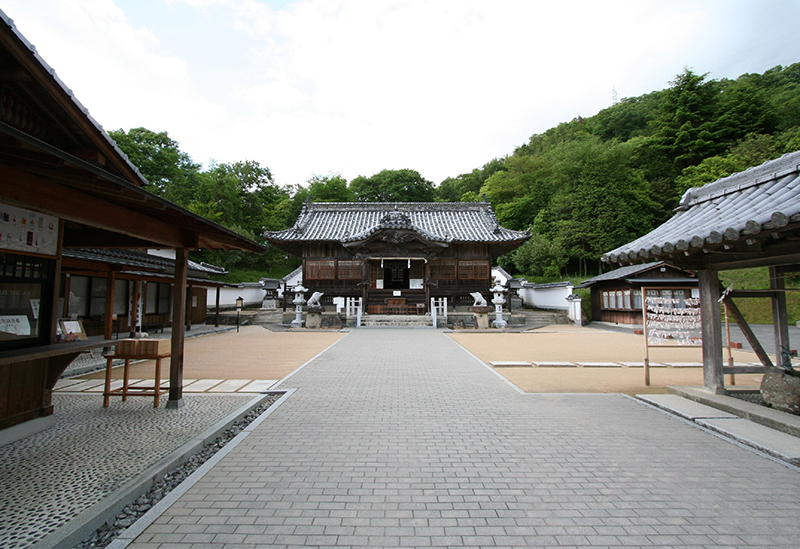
130 349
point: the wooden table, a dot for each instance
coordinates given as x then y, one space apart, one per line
154 391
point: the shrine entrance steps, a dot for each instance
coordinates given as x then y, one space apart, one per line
394 321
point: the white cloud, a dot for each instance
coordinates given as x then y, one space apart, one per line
350 86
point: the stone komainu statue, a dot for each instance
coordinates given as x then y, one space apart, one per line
313 301
480 301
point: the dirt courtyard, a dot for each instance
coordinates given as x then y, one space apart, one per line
257 353
572 344
252 353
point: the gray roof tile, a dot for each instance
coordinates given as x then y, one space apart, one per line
762 198
438 221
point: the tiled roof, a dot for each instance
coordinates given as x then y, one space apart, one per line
10 22
134 258
723 214
621 273
437 221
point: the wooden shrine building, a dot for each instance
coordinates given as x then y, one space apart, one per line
616 296
396 256
749 219
65 185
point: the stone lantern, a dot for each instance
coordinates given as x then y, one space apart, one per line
498 290
299 300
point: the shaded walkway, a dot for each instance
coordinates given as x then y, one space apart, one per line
399 438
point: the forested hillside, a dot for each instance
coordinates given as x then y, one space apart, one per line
582 188
592 184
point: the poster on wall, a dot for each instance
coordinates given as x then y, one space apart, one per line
27 231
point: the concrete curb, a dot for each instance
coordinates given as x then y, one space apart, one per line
774 419
82 526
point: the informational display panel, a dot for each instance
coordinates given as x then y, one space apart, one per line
672 321
27 231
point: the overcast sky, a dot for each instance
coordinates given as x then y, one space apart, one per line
356 86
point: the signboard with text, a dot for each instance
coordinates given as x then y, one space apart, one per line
27 231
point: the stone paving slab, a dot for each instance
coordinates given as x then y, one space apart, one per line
775 443
399 438
258 385
510 364
229 386
684 408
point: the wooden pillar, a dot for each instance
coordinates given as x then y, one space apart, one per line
366 278
188 308
780 318
427 285
178 322
55 314
108 329
216 310
711 315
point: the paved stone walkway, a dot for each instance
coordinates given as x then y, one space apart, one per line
399 438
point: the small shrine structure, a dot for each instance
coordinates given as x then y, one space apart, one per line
397 256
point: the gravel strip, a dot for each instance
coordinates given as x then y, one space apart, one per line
104 535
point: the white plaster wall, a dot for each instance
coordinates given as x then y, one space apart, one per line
227 297
546 298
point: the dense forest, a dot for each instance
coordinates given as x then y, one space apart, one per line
581 188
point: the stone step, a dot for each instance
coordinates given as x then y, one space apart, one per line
396 320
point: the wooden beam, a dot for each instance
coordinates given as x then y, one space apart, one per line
178 333
713 378
38 193
748 333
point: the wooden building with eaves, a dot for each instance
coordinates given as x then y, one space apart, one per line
65 186
749 219
397 256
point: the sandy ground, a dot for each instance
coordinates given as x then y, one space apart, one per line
257 353
253 353
573 344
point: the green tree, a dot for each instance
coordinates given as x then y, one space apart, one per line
685 125
393 186
170 172
455 189
329 188
540 256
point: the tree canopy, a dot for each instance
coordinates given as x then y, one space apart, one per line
582 187
591 184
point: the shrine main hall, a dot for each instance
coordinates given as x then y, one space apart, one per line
397 255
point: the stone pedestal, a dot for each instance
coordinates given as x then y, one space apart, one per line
480 316
781 390
314 317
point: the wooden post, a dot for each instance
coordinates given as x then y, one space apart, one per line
189 308
54 312
216 312
780 318
178 321
427 285
108 329
711 315
732 377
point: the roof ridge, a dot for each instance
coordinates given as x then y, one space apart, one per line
752 176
